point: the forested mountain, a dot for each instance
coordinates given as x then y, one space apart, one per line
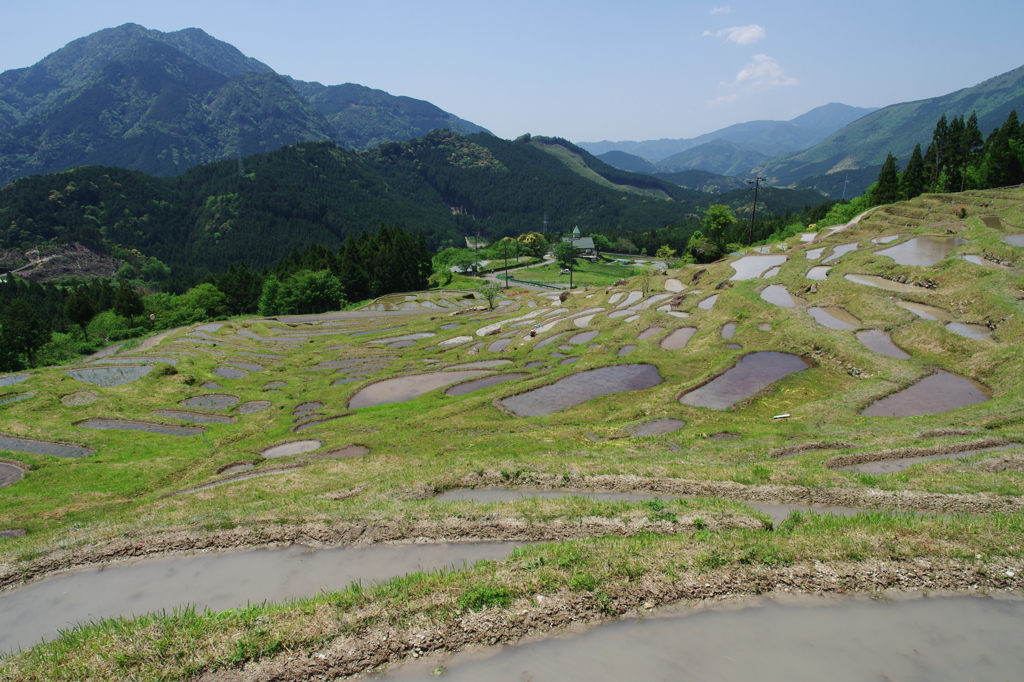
163 102
444 184
363 117
865 143
767 137
721 157
628 162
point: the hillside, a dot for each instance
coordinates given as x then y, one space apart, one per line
164 102
897 128
767 137
444 184
721 157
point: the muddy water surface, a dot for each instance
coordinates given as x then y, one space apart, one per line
818 272
479 384
880 343
936 393
149 427
925 312
678 339
708 303
296 447
10 474
924 251
978 332
840 251
216 581
18 397
216 401
42 447
777 295
890 465
882 283
1014 239
834 318
12 379
402 389
110 376
579 388
195 417
752 374
751 267
806 639
626 350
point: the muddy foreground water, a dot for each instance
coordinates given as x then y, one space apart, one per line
215 581
792 639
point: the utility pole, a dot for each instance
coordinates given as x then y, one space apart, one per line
844 186
506 264
756 182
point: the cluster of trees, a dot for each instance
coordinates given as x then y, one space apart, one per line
958 159
55 322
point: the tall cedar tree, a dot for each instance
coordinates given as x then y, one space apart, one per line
887 189
21 330
912 182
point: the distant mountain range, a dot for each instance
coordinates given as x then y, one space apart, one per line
845 158
766 137
163 102
859 148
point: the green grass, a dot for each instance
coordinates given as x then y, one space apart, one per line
584 274
437 442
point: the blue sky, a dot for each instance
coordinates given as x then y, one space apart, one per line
585 71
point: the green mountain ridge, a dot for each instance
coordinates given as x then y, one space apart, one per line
444 184
897 128
163 102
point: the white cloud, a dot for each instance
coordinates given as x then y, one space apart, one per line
741 35
763 71
721 10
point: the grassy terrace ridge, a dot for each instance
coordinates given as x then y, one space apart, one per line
938 524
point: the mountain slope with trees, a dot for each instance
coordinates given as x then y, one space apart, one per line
897 129
164 102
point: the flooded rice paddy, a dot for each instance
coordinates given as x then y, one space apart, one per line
480 364
579 388
17 397
10 474
797 639
880 343
728 330
42 447
925 312
626 350
818 272
135 360
225 372
840 251
213 401
582 338
882 283
195 417
777 295
403 389
935 394
678 339
108 377
295 447
751 267
978 332
834 318
253 406
923 251
131 425
480 384
748 377
1014 239
12 379
215 581
889 466
708 303
649 332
